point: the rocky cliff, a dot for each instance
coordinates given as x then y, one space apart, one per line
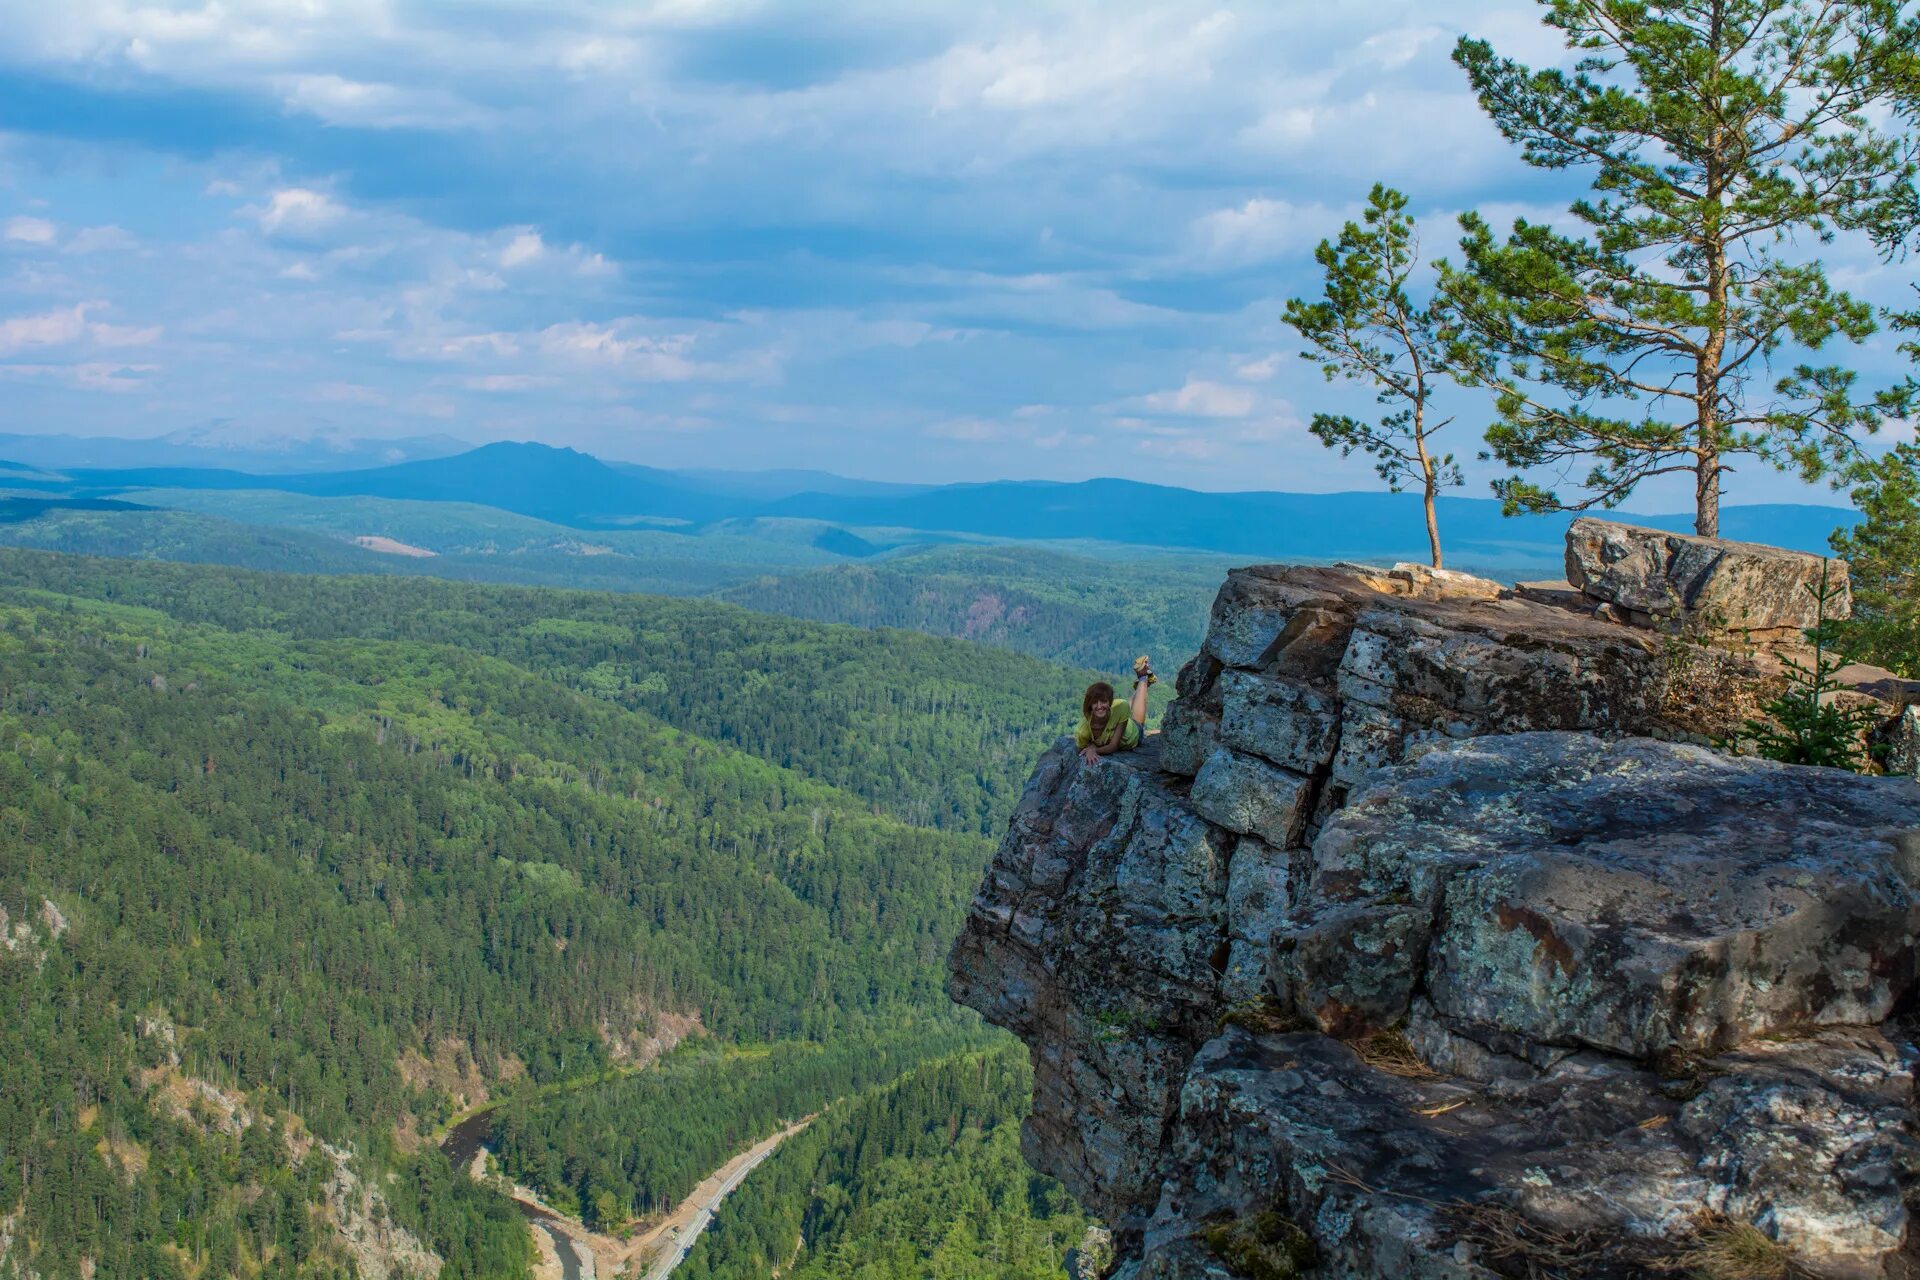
1429 939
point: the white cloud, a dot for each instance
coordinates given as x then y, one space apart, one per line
1260 370
299 211
525 247
1259 229
106 239
48 329
1200 398
340 101
968 430
31 230
657 359
112 335
463 346
505 382
1391 50
84 376
346 393
1189 448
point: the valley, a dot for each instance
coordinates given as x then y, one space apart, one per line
296 867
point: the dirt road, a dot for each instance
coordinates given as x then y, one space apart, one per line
664 1244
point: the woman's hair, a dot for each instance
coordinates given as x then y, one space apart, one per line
1098 691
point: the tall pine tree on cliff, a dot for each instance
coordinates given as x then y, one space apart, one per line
1719 134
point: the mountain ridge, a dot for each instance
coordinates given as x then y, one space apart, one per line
573 488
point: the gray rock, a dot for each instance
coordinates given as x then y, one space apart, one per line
1257 902
1097 937
1189 733
1424 582
1253 797
1632 896
1408 1177
1285 721
1619 983
1707 582
1904 757
1812 1141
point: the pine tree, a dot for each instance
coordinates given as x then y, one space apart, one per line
1368 328
1718 133
1883 552
1805 725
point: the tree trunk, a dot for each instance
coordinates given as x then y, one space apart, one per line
1426 459
1706 489
1433 526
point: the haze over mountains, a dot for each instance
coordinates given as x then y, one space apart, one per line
320 447
576 490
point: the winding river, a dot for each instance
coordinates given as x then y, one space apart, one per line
675 1234
464 1141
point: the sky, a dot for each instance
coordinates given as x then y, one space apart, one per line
922 242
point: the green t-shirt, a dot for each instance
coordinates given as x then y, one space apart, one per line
1129 734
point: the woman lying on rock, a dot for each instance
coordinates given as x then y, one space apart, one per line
1107 725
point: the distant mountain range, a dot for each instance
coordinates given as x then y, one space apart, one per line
575 489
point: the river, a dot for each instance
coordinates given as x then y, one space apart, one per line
674 1235
464 1141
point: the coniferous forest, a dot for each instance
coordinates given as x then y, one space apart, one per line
920 1178
295 869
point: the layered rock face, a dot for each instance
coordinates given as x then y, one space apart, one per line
1563 1001
1646 576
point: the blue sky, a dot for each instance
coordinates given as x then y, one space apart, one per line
904 241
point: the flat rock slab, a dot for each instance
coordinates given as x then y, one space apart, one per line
1633 896
1720 585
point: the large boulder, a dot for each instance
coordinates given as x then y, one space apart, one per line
1637 897
1701 584
1331 673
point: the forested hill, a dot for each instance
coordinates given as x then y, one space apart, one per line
934 731
294 867
1064 607
920 1179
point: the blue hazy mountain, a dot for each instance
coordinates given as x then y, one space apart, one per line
773 485
1355 525
561 485
572 488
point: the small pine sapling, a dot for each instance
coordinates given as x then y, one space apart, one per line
1804 724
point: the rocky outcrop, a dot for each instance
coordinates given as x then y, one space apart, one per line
1328 674
1096 939
1339 951
1651 577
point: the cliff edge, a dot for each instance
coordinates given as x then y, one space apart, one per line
1429 939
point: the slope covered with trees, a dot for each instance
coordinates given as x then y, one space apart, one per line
935 731
1067 608
294 866
921 1178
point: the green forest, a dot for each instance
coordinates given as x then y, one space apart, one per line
921 1179
282 856
1063 607
1072 608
